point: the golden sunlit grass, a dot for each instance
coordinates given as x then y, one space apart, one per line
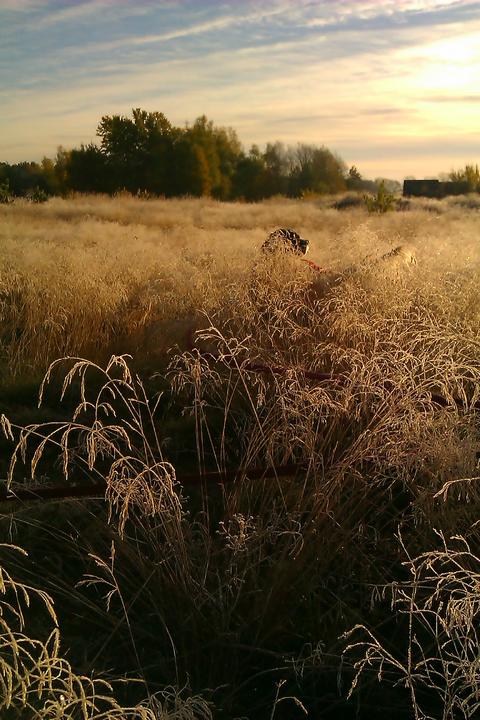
92 276
365 378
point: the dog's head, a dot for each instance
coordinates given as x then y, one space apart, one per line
286 240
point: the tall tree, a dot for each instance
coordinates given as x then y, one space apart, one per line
278 165
317 170
221 151
138 150
248 180
87 170
24 177
155 138
62 160
119 142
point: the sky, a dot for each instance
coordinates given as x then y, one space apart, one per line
392 86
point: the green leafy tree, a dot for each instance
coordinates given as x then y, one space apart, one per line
248 180
317 170
119 142
145 153
62 160
24 177
87 170
354 180
229 150
201 176
278 164
190 172
154 147
221 151
48 172
139 151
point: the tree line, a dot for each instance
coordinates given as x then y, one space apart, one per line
146 154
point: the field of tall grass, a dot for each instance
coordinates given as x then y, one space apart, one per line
287 460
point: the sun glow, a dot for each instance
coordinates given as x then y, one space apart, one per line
449 65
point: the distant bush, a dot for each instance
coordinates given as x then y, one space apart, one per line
470 202
308 194
37 195
382 202
402 204
348 202
5 194
469 176
435 207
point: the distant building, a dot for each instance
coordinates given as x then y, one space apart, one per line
433 188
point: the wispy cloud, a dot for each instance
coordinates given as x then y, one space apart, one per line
210 26
336 16
20 6
88 9
369 8
70 13
454 99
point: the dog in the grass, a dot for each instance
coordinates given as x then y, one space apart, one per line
285 240
403 255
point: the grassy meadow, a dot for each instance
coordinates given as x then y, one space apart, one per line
337 574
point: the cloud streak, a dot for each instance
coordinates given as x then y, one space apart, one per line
190 31
454 99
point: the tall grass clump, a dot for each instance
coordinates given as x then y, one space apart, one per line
436 662
382 202
6 196
37 195
38 682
